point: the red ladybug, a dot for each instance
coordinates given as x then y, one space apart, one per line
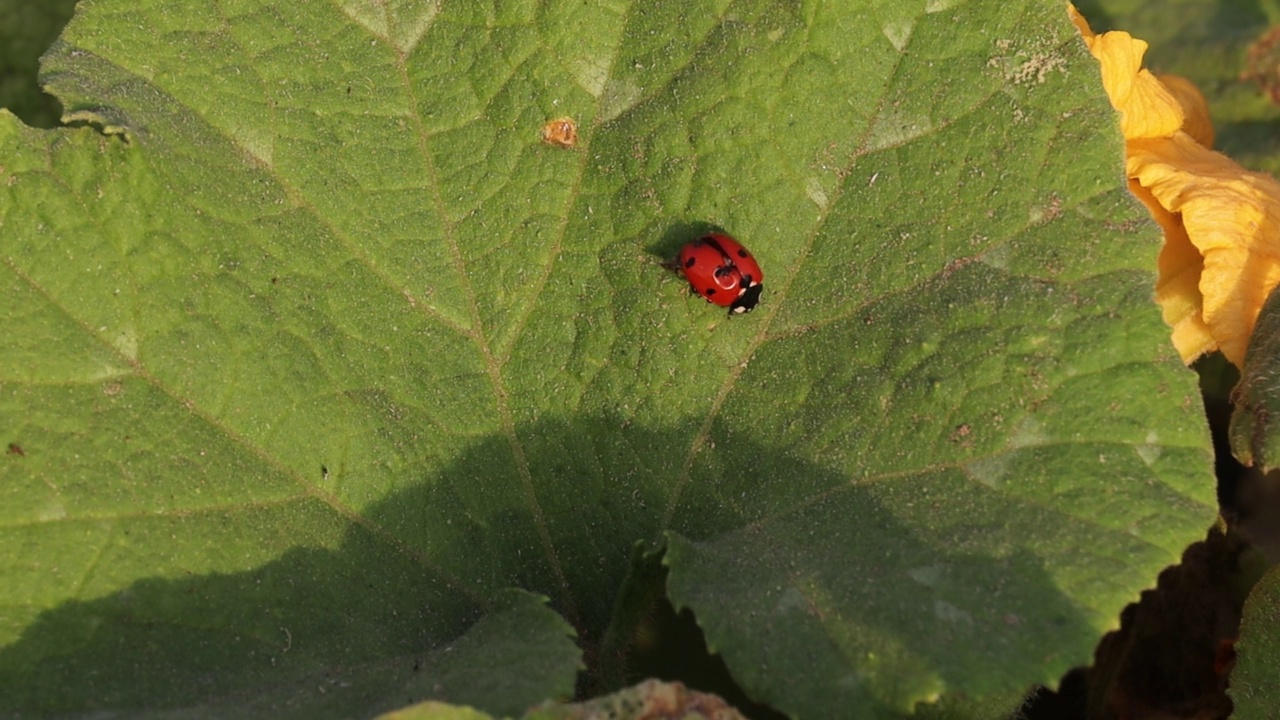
719 269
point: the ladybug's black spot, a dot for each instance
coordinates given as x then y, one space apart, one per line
709 292
742 253
689 263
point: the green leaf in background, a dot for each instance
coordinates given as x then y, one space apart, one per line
1255 435
320 351
1253 687
26 29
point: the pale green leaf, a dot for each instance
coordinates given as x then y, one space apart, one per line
1253 687
1255 434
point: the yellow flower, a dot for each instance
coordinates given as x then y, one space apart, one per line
1221 255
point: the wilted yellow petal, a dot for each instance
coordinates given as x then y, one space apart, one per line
1081 24
1221 256
1195 110
1178 289
1147 108
1231 217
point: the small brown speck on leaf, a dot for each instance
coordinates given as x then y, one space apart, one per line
561 132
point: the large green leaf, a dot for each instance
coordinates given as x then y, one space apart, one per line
318 350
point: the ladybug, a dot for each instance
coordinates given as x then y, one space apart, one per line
719 269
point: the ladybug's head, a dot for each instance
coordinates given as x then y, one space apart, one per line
746 300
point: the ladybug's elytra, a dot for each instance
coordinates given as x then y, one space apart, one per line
719 269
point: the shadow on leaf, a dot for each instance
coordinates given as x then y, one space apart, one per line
820 593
